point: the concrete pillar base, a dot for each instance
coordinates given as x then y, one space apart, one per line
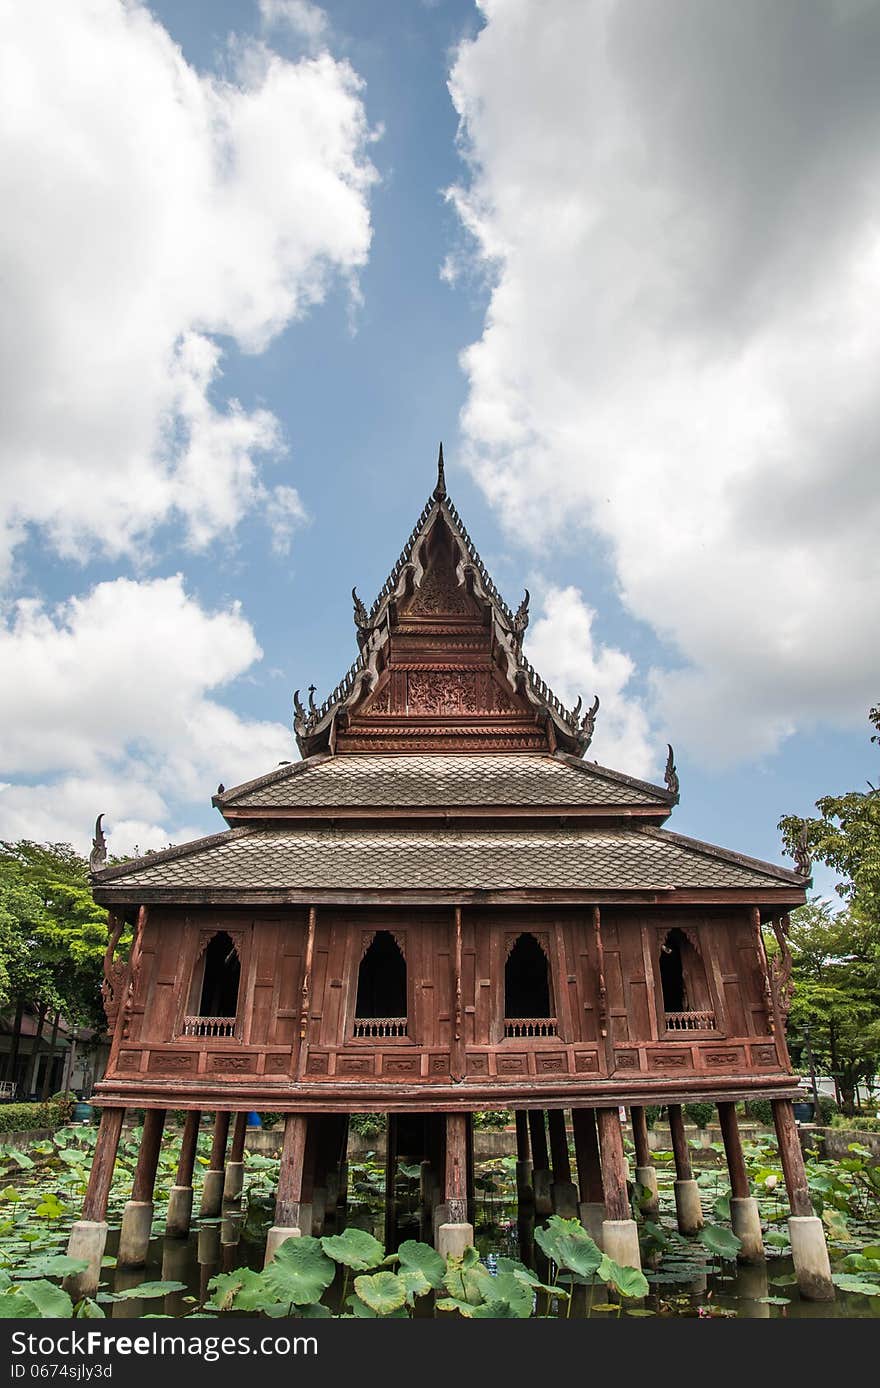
453 1239
810 1256
88 1238
592 1216
175 1260
233 1181
688 1210
620 1240
134 1236
752 1284
179 1216
745 1220
212 1195
564 1195
439 1216
650 1205
305 1217
276 1237
543 1198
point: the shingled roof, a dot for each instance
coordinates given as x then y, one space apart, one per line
255 859
515 780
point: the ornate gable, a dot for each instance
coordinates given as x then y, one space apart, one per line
441 666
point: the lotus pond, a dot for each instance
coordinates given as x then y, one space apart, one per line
517 1271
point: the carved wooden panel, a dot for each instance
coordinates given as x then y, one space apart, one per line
439 1063
626 1060
356 1064
723 1057
586 1062
478 1065
513 1064
173 1063
400 1065
129 1060
317 1063
764 1057
670 1060
277 1064
551 1063
222 1063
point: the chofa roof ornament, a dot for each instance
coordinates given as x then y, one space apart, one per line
439 491
670 776
98 855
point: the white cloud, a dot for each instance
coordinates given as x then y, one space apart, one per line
564 651
679 205
148 211
304 19
112 706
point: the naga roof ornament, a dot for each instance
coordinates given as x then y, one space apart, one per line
801 854
98 855
670 776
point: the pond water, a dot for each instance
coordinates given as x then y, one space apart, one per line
685 1278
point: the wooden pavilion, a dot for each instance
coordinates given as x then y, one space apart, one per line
443 908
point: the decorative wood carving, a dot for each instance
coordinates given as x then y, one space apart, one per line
450 691
440 593
115 970
781 979
600 957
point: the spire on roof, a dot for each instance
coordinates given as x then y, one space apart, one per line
440 489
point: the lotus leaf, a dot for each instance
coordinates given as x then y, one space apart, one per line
355 1249
300 1271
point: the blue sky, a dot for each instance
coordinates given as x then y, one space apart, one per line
261 258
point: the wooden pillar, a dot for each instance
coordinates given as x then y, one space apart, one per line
736 1165
646 1176
809 1250
469 1168
391 1139
456 1168
688 1209
101 1174
792 1158
188 1144
538 1135
680 1149
745 1217
212 1188
290 1172
522 1136
559 1145
586 1146
148 1156
239 1131
615 1172
640 1135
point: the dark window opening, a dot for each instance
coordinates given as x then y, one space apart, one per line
221 978
672 973
382 979
526 980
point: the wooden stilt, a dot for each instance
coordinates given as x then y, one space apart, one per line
101 1174
148 1156
219 1139
614 1168
522 1136
289 1193
559 1145
680 1149
469 1168
239 1131
586 1146
736 1165
391 1140
792 1158
640 1136
456 1168
188 1143
538 1134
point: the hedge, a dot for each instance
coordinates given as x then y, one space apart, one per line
21 1117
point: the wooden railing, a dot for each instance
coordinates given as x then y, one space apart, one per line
209 1026
530 1026
690 1021
368 1028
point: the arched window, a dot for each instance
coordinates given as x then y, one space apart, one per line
687 1003
527 1004
214 999
381 1006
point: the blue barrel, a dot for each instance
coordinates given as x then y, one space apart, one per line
82 1113
253 1120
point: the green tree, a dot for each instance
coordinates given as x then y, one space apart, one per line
836 972
846 837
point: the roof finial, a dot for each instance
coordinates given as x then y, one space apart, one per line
440 489
98 855
670 775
